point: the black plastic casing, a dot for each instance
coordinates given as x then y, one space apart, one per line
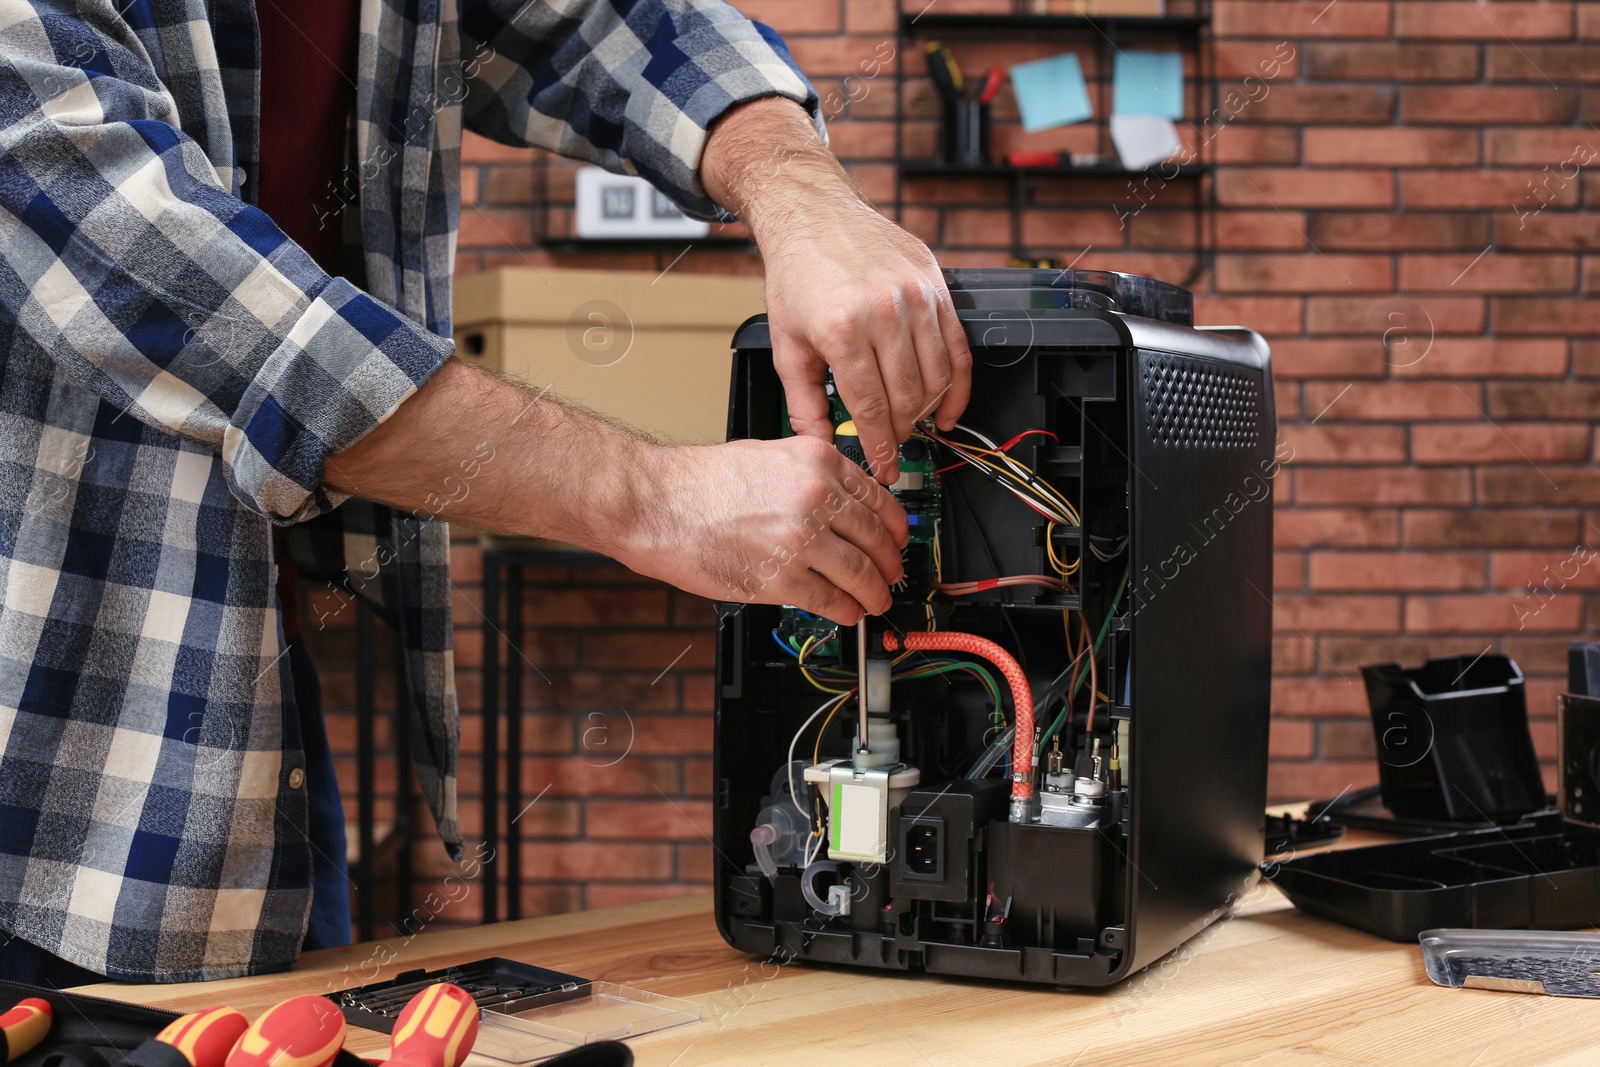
1541 873
1453 739
1169 431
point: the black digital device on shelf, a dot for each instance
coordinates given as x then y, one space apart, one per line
1090 556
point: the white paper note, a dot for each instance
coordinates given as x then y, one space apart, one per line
1144 140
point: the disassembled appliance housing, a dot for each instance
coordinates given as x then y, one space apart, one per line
1048 761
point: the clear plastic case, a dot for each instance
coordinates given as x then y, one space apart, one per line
530 1030
1514 961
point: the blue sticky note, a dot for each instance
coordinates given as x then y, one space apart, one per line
1051 92
1148 83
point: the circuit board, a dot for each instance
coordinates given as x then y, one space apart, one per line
918 492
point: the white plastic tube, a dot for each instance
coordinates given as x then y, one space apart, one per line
762 838
836 904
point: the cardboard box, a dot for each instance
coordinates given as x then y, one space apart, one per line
1105 8
652 350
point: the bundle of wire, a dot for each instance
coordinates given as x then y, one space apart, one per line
1064 687
813 818
909 666
995 462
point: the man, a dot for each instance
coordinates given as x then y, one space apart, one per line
183 371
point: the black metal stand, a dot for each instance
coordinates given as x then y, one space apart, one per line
504 570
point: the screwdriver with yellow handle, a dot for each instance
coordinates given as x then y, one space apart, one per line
23 1027
200 1039
303 1031
437 1028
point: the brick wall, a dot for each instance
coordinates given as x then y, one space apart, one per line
1401 213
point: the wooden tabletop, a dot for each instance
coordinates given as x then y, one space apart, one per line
1268 985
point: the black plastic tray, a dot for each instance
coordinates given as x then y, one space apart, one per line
374 1007
1540 873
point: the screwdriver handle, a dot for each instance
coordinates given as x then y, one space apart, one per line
23 1027
303 1031
436 1029
205 1038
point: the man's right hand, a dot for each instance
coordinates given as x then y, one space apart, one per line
774 522
777 522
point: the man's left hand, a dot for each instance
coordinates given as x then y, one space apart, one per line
846 288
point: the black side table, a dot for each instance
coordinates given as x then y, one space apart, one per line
505 559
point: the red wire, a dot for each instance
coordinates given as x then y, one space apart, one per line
1094 676
1009 445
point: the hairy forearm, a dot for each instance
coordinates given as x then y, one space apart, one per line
475 448
765 163
790 522
849 293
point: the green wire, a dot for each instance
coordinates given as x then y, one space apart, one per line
988 679
1105 628
984 676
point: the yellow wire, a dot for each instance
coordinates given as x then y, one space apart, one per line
1065 571
805 648
973 454
1063 568
816 750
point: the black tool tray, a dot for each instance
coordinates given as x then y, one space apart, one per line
1542 872
376 1006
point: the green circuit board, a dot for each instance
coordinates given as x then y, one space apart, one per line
917 491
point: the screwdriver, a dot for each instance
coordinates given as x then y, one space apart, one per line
200 1039
303 1031
385 992
944 71
23 1027
436 1029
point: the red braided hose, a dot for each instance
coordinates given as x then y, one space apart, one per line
1021 695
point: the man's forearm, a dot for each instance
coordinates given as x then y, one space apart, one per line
475 448
790 521
765 163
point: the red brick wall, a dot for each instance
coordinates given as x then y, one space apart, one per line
1415 171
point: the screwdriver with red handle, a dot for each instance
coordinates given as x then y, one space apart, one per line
200 1039
23 1027
437 1028
304 1031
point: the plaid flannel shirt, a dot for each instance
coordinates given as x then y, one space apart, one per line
174 375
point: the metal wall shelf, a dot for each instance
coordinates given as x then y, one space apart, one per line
1191 32
932 22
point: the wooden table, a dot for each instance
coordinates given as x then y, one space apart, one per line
1267 986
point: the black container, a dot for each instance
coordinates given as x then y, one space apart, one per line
1453 739
378 1005
965 133
1541 873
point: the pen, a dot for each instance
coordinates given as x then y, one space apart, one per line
991 85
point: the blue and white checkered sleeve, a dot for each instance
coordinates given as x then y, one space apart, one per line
633 85
125 255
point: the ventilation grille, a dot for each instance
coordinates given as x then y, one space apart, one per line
1200 404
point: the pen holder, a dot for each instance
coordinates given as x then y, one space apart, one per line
965 133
